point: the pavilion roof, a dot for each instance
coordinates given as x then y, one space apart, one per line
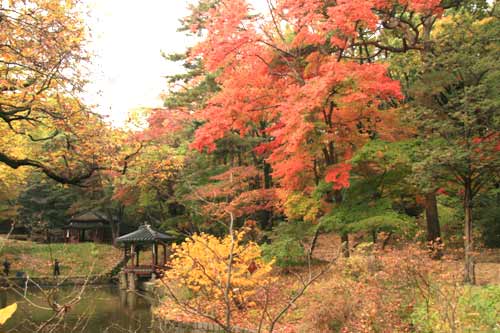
88 217
145 234
85 225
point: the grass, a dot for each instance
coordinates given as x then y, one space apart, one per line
75 259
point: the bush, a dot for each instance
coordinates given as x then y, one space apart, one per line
459 309
286 244
199 269
286 251
371 294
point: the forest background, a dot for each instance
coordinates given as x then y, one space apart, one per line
373 120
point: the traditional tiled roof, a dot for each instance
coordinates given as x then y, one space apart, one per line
145 234
85 225
89 217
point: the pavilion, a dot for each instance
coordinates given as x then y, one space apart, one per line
144 237
88 226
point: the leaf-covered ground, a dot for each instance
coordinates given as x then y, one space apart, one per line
487 260
392 290
75 259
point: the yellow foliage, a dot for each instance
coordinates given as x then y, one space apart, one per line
301 207
43 123
7 312
201 265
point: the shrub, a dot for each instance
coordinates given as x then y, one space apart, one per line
200 264
369 293
286 243
458 309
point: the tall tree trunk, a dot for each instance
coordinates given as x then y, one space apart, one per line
115 221
268 180
469 274
433 229
344 238
115 230
431 216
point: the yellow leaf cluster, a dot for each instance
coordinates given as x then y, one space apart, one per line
7 312
301 207
201 264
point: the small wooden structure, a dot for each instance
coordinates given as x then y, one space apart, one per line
134 243
88 227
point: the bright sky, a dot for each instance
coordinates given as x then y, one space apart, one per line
127 39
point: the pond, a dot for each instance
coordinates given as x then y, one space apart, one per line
101 309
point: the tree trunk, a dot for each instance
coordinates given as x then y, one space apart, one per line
268 180
433 230
115 221
344 238
314 241
469 274
115 230
432 218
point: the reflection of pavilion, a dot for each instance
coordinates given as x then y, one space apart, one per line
136 241
128 301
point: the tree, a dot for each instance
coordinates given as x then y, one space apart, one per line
12 183
147 190
304 79
41 63
455 110
380 197
44 205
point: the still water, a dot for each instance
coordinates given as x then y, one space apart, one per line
101 309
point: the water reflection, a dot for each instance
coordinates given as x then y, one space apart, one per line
101 309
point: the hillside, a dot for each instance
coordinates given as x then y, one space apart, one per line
76 259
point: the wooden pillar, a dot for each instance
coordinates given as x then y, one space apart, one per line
132 254
164 254
137 251
132 282
132 301
155 252
122 278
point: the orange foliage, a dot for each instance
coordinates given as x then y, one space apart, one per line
309 105
237 190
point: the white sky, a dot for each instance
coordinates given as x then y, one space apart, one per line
127 39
